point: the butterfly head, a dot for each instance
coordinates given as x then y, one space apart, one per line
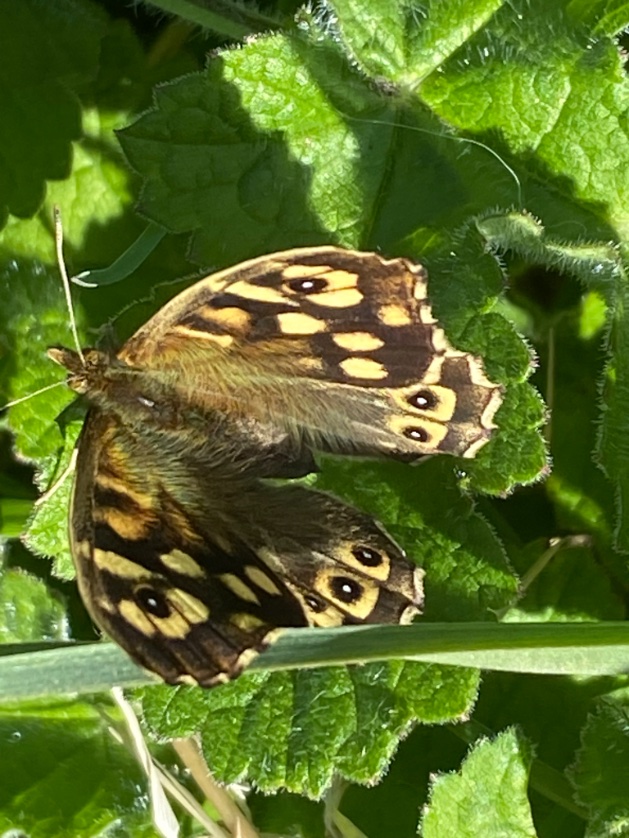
83 370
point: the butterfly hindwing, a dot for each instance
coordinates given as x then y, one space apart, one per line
192 576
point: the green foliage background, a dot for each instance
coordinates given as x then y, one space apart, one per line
487 139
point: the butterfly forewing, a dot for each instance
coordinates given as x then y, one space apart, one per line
339 346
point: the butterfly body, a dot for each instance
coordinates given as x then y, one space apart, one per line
186 553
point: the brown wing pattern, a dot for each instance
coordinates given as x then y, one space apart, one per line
186 555
192 576
337 345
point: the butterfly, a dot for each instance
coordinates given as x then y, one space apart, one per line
193 541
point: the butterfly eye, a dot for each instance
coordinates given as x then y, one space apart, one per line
153 602
309 285
416 434
345 589
423 399
368 557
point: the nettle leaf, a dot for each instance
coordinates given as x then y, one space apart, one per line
28 610
38 58
34 318
487 797
63 774
600 768
601 269
296 730
571 585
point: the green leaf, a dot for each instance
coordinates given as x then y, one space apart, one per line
40 49
601 268
600 770
287 814
28 610
403 42
62 774
568 584
487 797
323 722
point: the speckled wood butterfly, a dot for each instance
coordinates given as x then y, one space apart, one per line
188 553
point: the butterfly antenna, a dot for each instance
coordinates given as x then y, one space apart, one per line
32 395
66 281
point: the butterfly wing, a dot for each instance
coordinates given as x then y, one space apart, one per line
191 566
336 347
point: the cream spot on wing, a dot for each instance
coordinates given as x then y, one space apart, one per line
261 579
119 565
358 341
190 680
181 562
261 293
487 418
245 658
270 558
245 621
473 449
340 279
363 368
134 615
393 314
310 364
188 606
298 323
232 318
174 626
420 291
477 373
426 315
433 373
303 271
330 618
238 587
216 282
132 527
343 298
440 342
219 340
105 604
82 548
